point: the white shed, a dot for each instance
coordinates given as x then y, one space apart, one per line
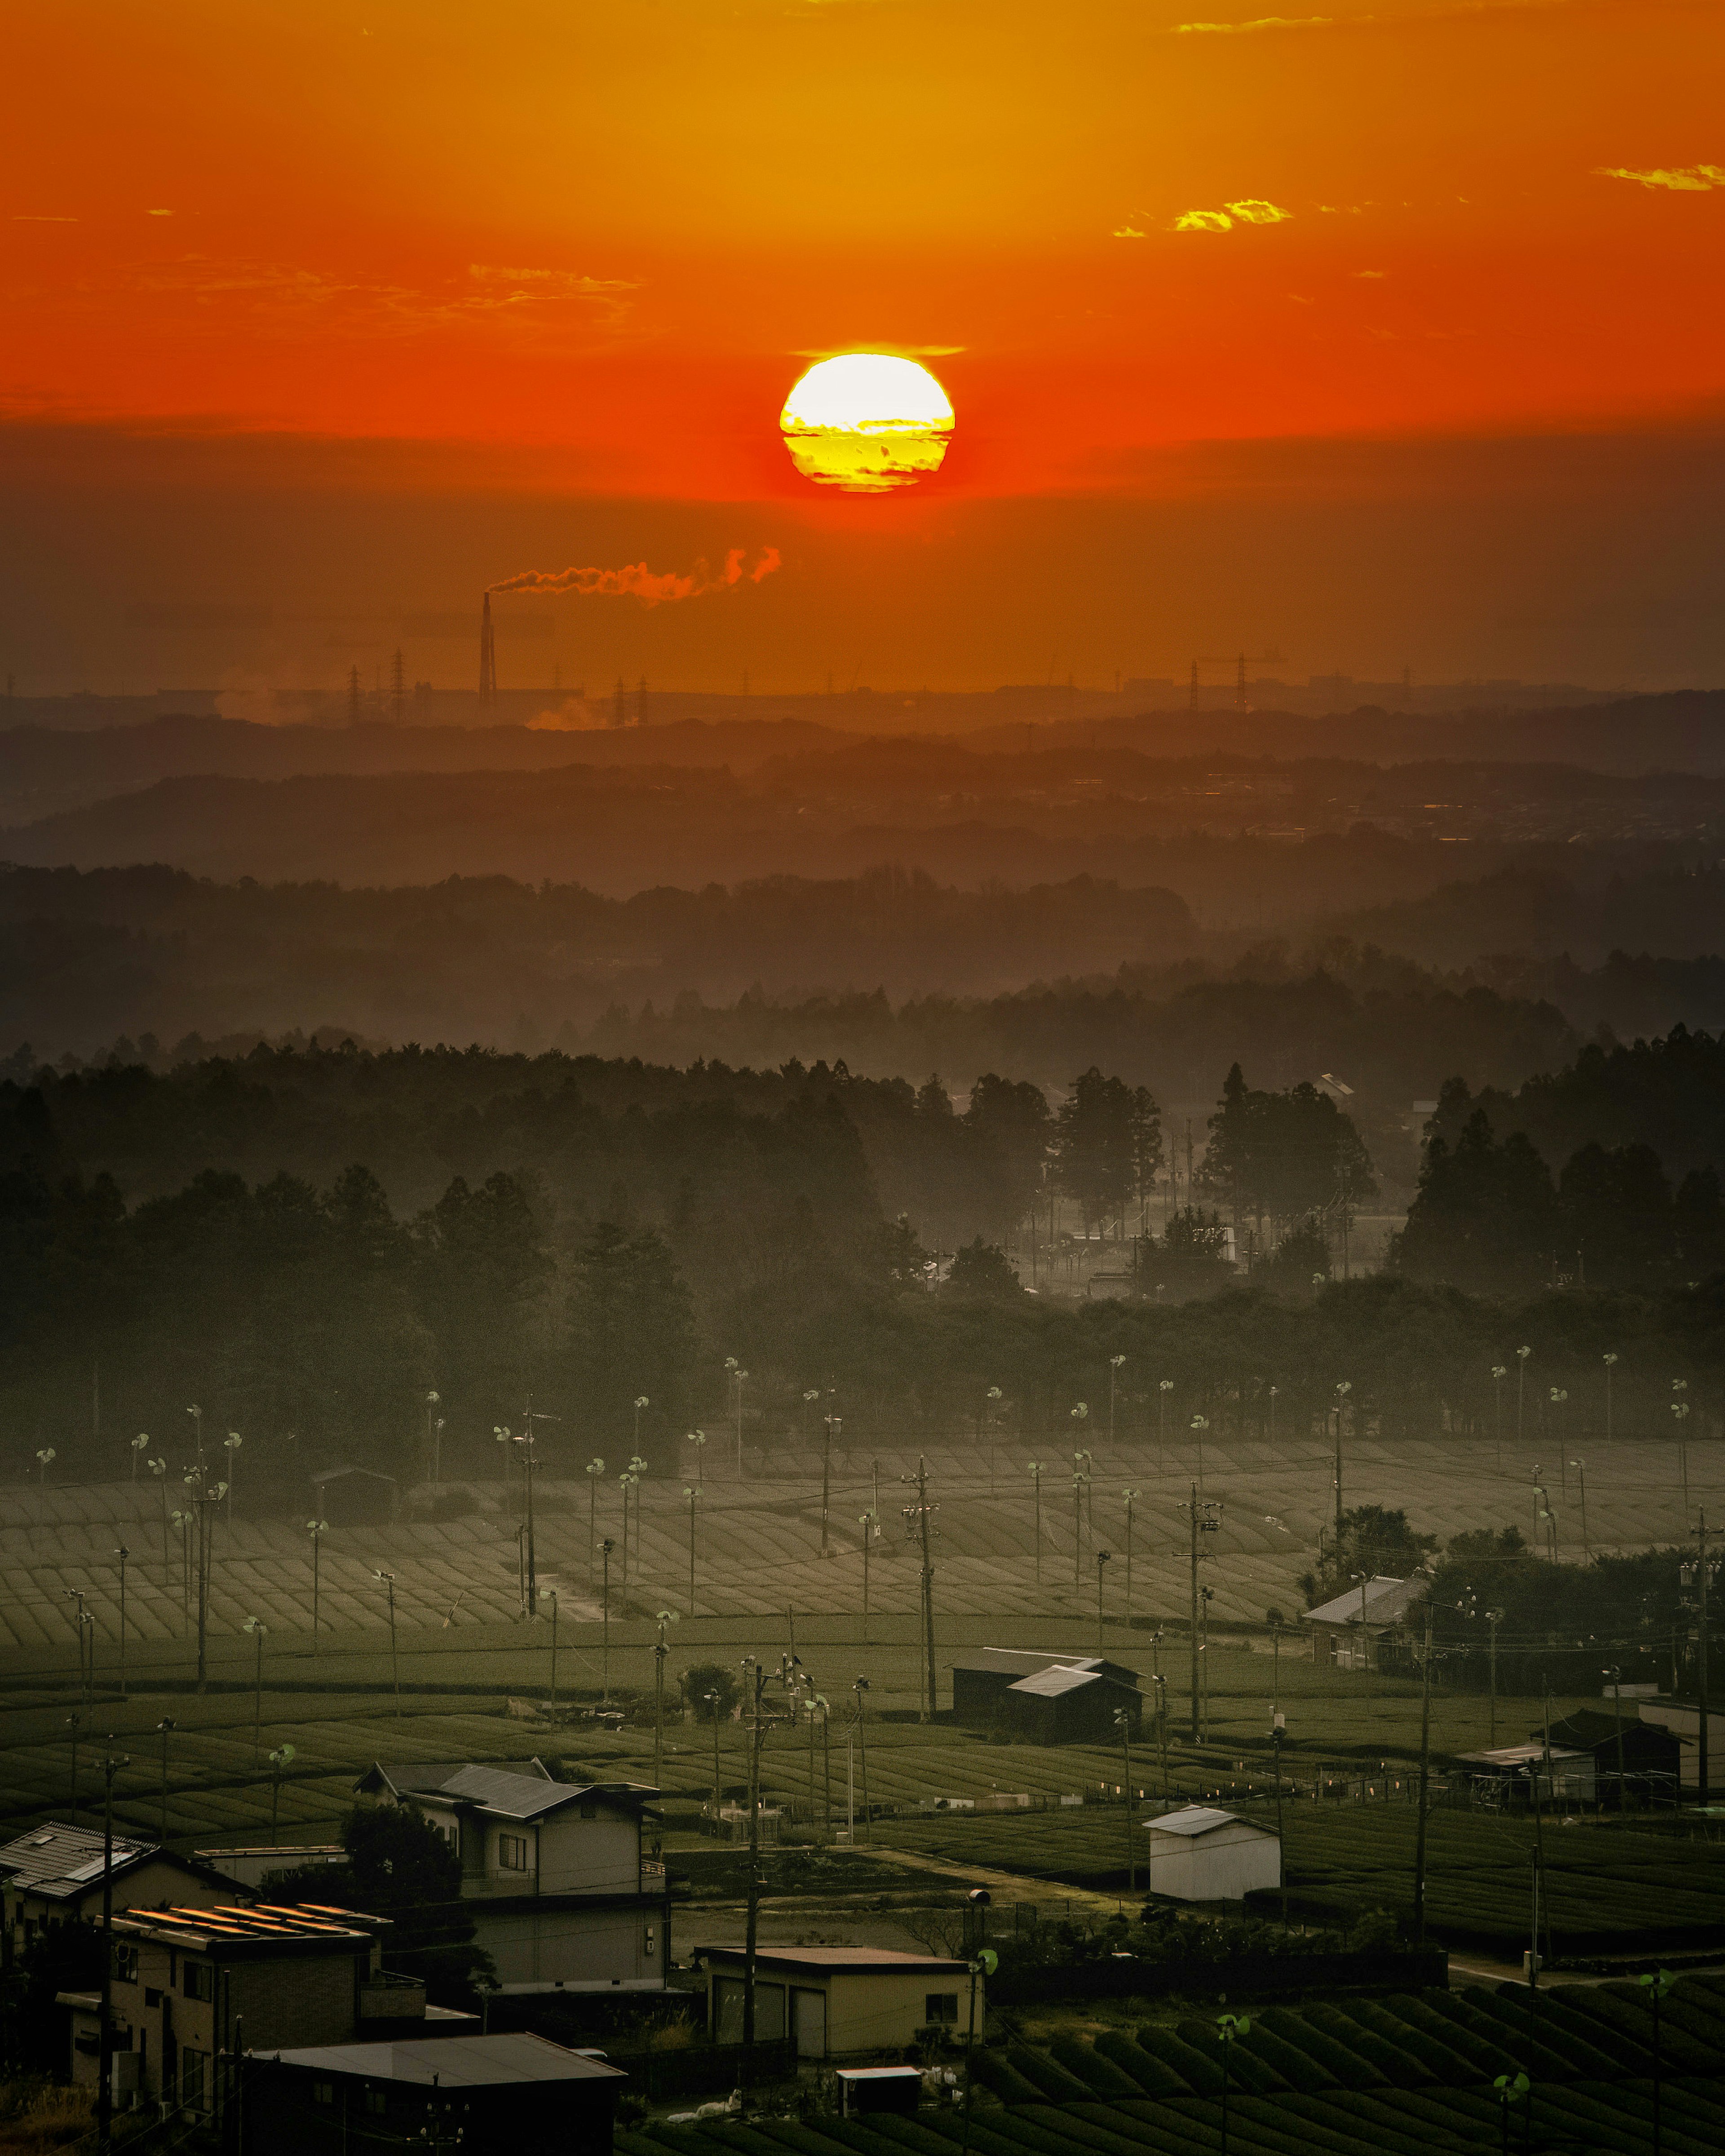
1200 1854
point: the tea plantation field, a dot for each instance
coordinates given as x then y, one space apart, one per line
1399 2076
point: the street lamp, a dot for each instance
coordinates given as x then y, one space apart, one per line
1165 1387
549 1595
1610 1363
280 1760
122 1554
1129 1495
739 1377
1200 1423
1123 1723
595 1468
434 1439
257 1631
1034 1469
1580 1467
1115 1363
1522 1355
139 1446
1498 1374
1680 1413
1103 1557
387 1580
660 1650
692 1492
641 1401
197 1416
834 1425
165 1728
605 1549
317 1529
44 1455
230 1445
871 1533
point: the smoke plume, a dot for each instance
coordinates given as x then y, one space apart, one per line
637 580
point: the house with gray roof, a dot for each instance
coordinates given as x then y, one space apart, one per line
1045 1699
562 1895
53 1875
1347 1630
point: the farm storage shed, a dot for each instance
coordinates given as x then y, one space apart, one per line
982 1677
1201 1855
1067 1706
355 1497
832 2001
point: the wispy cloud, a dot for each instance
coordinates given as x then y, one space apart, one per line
1679 179
565 282
1259 23
24 218
1371 274
1253 210
1129 232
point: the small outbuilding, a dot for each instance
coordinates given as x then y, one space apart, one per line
838 2001
355 1497
1045 1699
486 2095
1203 1855
1512 1773
1632 1758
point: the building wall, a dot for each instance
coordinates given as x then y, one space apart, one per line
1223 1865
864 2014
290 2005
557 1941
1684 1723
150 1885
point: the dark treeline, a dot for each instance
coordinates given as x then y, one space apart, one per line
1609 1171
589 1232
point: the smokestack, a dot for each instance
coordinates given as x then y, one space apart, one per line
488 658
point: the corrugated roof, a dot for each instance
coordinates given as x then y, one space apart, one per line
60 1860
1385 1600
860 1961
456 2062
1202 1819
1056 1683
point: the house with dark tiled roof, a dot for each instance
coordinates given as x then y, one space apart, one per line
53 1875
562 1895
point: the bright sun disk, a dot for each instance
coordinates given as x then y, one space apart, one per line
867 422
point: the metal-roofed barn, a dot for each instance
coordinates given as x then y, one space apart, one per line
1200 1854
1347 1630
1044 1698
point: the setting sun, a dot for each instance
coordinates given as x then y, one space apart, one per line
867 422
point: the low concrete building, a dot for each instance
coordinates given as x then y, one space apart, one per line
1348 1631
553 1875
1203 1855
252 1864
838 2002
53 1875
512 2095
190 1984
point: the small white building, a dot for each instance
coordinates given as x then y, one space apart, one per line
1201 1855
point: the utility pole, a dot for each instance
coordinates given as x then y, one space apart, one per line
1198 1511
1123 1723
1342 1392
1425 1787
917 1523
605 1549
1702 1572
105 2088
1102 1558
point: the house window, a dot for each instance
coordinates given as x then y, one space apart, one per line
126 1962
940 2006
323 2092
191 2064
151 1998
200 1979
512 1852
589 1811
376 2102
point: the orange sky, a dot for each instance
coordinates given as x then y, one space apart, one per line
603 241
